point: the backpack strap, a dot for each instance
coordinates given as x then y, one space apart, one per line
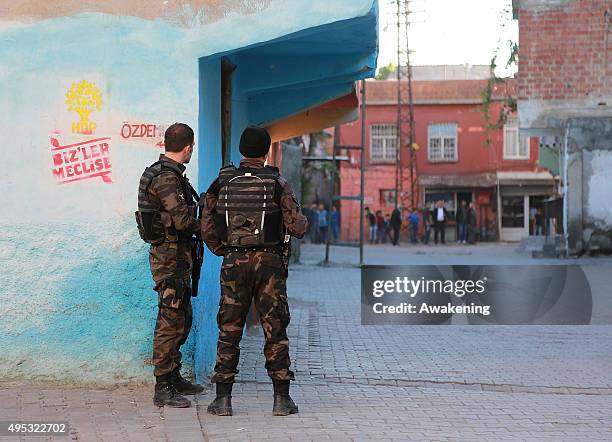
145 181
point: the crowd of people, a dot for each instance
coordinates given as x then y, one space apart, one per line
319 221
433 217
424 224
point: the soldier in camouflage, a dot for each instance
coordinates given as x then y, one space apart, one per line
253 267
165 195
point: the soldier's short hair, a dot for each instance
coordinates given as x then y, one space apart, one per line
178 136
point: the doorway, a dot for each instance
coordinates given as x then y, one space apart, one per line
227 70
464 196
514 217
536 215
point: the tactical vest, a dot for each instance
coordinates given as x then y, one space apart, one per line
248 207
154 223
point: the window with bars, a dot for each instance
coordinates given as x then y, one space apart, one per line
383 142
442 142
515 146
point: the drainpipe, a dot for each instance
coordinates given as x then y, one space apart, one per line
565 201
499 209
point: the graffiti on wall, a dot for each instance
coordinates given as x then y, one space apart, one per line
84 98
77 154
82 160
147 132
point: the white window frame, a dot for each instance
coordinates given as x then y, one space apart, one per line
514 152
386 142
442 140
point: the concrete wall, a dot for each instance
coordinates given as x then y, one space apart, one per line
177 12
565 81
77 302
291 169
589 181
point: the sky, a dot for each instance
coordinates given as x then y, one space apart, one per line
451 32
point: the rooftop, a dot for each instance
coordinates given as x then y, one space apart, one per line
384 92
445 72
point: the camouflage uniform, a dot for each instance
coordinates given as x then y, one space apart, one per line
255 274
171 267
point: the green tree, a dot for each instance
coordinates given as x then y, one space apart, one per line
385 71
508 100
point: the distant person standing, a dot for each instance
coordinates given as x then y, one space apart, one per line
427 221
322 223
461 219
335 223
532 217
538 222
440 217
371 219
387 234
471 223
396 224
313 224
413 219
380 226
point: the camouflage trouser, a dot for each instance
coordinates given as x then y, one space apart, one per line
174 319
262 277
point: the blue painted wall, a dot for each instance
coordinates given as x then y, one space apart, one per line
209 146
77 302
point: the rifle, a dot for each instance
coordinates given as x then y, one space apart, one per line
197 248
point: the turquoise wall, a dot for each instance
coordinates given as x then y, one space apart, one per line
77 302
209 146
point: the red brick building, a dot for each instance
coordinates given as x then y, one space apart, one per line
453 160
565 51
565 97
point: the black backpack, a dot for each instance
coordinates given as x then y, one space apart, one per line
248 207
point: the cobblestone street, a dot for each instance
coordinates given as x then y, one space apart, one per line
372 382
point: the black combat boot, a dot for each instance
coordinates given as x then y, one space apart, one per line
222 405
166 394
283 404
183 386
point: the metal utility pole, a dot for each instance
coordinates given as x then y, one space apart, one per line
405 108
398 143
362 170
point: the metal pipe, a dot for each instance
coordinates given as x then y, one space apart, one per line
331 193
363 136
565 187
410 114
398 133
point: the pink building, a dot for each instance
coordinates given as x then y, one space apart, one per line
453 160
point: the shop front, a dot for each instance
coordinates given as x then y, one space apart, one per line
453 190
521 203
